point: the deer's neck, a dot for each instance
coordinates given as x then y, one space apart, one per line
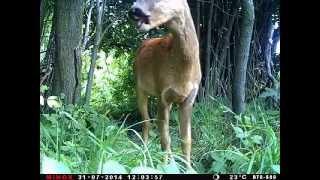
185 41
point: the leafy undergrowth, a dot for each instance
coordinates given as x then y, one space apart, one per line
77 139
229 143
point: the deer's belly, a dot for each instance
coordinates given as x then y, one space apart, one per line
148 85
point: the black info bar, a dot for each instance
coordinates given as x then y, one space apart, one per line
159 176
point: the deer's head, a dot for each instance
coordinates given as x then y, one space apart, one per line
149 14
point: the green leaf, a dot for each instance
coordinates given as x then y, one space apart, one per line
274 93
52 166
237 117
257 139
112 167
247 143
152 133
170 168
145 170
216 156
232 156
247 120
226 109
43 88
251 163
239 132
53 102
218 166
253 119
276 168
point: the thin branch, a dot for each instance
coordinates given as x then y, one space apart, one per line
46 75
104 32
217 6
86 34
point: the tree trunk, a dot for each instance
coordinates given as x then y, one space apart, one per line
265 30
42 12
267 51
68 28
243 48
94 51
208 48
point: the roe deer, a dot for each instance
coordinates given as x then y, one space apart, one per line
167 67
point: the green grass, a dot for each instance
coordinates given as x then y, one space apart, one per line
83 140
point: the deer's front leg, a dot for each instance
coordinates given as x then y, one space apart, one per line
185 130
163 125
143 108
